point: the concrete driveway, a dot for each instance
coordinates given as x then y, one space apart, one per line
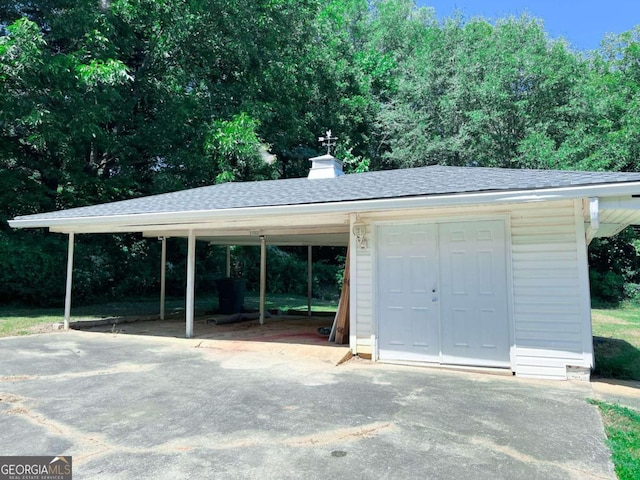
142 407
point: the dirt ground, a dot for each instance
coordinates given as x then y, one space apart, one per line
284 334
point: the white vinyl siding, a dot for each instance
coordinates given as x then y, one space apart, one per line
551 323
549 317
363 295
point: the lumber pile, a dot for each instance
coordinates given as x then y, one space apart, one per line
340 329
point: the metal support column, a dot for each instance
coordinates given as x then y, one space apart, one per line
163 276
67 298
191 276
309 278
228 261
263 275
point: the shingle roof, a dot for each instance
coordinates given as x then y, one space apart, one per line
422 181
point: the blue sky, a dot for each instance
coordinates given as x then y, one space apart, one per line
583 23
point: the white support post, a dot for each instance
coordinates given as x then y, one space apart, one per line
67 298
352 251
309 278
228 261
594 212
191 276
263 275
163 276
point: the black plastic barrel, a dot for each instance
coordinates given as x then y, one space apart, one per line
231 294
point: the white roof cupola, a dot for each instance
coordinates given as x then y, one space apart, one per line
326 166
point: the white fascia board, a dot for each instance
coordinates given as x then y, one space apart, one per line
620 203
278 243
427 201
250 224
268 232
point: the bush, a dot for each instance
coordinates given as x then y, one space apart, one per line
607 287
33 268
632 292
614 267
286 271
126 266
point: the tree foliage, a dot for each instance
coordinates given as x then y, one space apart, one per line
112 99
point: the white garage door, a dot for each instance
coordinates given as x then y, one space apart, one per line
442 293
409 326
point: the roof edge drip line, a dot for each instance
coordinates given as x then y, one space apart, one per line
424 201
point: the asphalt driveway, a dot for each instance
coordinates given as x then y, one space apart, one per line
141 407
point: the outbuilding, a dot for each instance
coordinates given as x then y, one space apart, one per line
453 266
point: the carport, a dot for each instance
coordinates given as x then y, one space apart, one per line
248 213
452 266
277 230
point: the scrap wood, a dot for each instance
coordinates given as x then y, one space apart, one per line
332 335
348 356
342 325
342 315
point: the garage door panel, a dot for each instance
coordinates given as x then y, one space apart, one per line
424 327
484 235
450 280
420 274
394 267
393 328
458 283
478 320
457 332
406 277
413 340
418 238
392 238
485 273
488 323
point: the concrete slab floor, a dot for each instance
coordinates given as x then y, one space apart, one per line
276 328
128 406
296 335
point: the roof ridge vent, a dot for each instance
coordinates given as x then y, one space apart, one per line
325 166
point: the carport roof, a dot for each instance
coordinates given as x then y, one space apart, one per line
389 184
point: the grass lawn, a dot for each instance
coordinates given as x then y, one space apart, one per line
23 321
617 354
622 426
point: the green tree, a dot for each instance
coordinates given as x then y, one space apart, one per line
109 100
113 99
606 136
481 94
